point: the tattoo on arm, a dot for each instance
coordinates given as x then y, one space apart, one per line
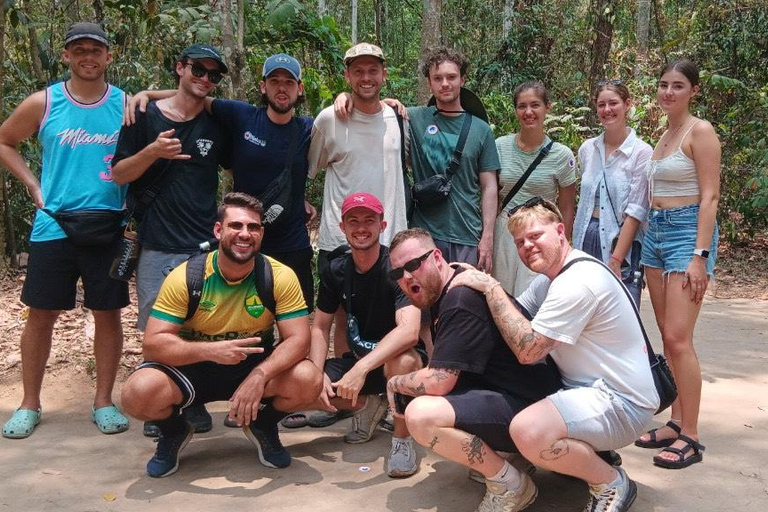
475 450
432 443
441 374
558 449
418 390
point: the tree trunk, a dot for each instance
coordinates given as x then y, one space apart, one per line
98 9
354 22
232 51
509 10
430 38
321 7
7 240
602 28
34 53
379 21
72 11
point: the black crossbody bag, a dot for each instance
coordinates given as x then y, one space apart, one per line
436 189
359 347
633 269
663 379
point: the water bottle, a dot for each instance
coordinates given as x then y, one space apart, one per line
126 257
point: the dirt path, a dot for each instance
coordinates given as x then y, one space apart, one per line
67 465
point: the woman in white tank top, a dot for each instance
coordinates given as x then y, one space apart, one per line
679 251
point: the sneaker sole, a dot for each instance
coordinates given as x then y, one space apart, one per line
630 498
255 442
178 455
402 474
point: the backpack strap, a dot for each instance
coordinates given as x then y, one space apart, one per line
262 273
265 284
195 278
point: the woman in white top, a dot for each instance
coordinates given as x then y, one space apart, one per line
614 188
553 179
679 251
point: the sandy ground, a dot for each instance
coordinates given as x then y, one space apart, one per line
67 465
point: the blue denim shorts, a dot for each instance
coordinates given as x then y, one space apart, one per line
671 239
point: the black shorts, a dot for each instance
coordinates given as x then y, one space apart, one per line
486 414
54 268
301 263
375 381
207 381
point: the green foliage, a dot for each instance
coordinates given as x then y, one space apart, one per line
549 40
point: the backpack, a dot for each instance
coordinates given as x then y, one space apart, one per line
262 274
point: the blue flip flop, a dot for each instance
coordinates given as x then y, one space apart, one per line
21 424
109 419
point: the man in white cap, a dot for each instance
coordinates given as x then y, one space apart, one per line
77 121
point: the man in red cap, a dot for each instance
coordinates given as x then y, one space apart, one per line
382 331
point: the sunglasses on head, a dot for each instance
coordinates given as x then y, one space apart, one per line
535 201
199 71
410 266
603 83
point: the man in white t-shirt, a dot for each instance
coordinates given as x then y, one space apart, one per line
360 154
584 318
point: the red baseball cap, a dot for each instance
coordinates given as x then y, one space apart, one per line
362 200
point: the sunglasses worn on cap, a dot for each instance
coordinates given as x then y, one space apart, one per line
410 266
602 83
535 201
199 71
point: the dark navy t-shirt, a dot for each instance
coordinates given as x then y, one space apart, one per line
259 152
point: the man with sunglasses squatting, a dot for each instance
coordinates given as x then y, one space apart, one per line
175 147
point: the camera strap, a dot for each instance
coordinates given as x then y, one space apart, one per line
456 158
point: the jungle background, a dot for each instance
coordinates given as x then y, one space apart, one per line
568 44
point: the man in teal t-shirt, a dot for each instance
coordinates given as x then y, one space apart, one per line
462 225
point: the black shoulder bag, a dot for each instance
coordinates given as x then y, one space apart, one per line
663 379
632 272
404 163
89 227
542 153
436 189
276 198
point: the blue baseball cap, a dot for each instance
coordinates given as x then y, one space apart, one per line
282 61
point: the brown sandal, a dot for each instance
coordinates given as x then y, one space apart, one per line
660 443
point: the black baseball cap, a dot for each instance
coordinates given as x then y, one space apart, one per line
86 30
204 51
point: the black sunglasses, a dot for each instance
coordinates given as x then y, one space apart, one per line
410 266
603 83
536 201
199 71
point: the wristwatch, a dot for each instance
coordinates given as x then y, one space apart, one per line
701 252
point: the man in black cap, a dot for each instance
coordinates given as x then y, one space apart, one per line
173 151
77 122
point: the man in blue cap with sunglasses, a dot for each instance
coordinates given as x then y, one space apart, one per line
174 151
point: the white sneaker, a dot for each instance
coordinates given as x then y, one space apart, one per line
365 419
500 499
402 461
603 498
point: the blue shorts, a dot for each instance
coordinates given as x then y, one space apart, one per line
671 239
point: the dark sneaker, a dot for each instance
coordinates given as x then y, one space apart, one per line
199 417
166 459
603 498
151 429
266 439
